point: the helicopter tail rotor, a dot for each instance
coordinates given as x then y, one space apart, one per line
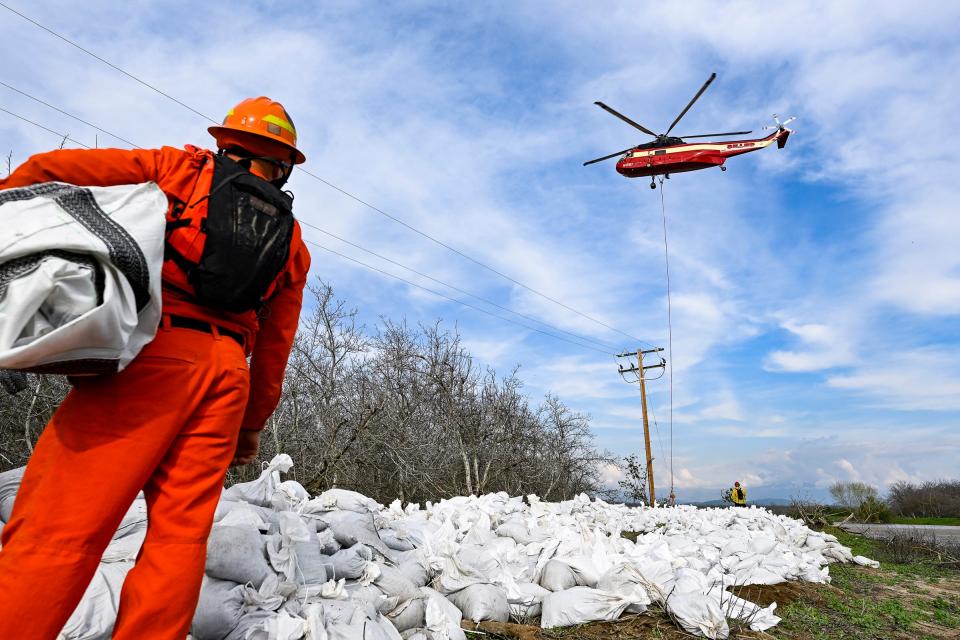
782 128
780 125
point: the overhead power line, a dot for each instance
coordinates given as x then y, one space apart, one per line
69 115
606 348
460 302
333 186
456 288
62 136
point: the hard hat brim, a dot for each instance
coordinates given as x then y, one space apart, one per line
256 140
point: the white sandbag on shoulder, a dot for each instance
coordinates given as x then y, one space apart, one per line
480 602
580 605
219 609
81 268
95 615
260 491
237 554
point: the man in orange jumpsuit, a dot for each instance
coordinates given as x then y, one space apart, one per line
169 424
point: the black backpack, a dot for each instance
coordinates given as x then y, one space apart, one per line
246 239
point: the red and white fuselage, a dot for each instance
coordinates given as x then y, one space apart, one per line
678 158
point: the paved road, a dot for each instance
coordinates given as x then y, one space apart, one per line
880 531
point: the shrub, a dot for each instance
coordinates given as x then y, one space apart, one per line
872 509
935 498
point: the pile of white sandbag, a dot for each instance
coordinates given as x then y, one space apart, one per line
284 566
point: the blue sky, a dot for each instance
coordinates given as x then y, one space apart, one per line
815 289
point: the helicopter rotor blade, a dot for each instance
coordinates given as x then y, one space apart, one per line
630 122
714 135
612 155
690 104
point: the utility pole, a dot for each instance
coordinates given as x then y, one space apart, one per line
639 369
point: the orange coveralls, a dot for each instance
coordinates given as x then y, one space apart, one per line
167 425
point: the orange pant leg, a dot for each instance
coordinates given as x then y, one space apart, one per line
167 424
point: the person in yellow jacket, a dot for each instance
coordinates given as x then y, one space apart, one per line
738 494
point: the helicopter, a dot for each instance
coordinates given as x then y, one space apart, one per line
668 154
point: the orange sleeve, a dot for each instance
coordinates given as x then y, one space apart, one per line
89 167
278 326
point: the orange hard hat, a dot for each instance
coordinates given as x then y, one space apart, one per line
261 126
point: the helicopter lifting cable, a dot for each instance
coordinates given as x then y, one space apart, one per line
666 259
582 339
333 186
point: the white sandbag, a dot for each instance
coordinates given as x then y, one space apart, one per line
9 485
219 609
126 548
81 268
289 496
525 600
248 621
237 554
442 617
260 491
393 583
351 527
311 566
557 575
580 605
625 580
375 597
480 602
281 546
395 542
409 614
134 520
328 544
756 617
235 513
414 568
699 614
417 634
270 596
866 562
283 626
95 615
341 500
353 563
